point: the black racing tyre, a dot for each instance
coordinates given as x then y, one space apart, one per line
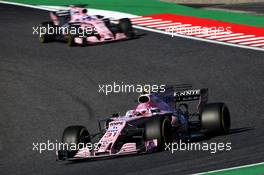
71 40
47 35
125 26
215 119
159 128
73 33
74 135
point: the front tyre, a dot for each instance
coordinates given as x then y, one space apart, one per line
215 119
47 32
159 128
74 138
125 26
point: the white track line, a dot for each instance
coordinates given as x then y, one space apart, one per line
199 32
140 19
232 168
257 45
180 25
151 23
225 36
248 39
169 27
146 21
27 5
176 23
213 33
233 38
160 23
186 28
253 42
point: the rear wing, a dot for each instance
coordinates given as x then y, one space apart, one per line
191 95
183 93
200 95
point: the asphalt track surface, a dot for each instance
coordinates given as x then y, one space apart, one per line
46 87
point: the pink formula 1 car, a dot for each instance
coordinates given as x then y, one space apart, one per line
76 27
158 119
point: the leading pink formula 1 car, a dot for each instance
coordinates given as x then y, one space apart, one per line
76 27
159 118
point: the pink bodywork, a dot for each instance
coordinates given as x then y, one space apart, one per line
99 26
77 15
117 125
105 145
149 105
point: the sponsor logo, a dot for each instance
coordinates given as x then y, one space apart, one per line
187 93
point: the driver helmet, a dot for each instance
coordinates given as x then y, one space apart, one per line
130 113
143 109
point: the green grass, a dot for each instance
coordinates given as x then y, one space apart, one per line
253 170
144 7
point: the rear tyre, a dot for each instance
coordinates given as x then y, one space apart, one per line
75 137
125 26
159 128
47 32
215 119
71 40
